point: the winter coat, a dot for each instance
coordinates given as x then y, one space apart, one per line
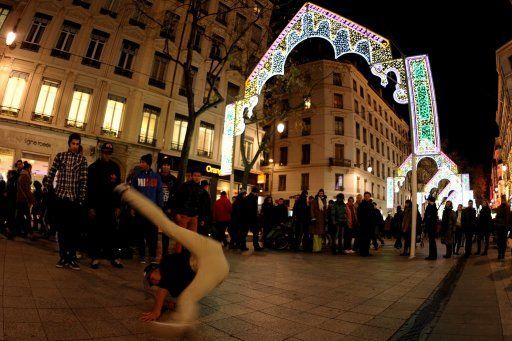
503 215
366 218
102 178
250 209
319 216
469 220
222 209
149 184
407 220
188 199
351 216
339 214
24 194
280 214
448 225
485 220
430 219
237 212
169 187
205 207
301 211
396 223
267 213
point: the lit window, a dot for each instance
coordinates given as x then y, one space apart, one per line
4 11
79 106
205 143
95 48
113 116
46 101
339 126
159 70
39 23
14 93
338 184
338 101
67 35
248 143
304 182
148 127
180 129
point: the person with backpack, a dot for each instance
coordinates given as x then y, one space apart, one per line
340 223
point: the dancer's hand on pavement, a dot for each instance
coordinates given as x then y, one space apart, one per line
150 316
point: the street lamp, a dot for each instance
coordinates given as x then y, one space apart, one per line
307 102
369 168
271 160
11 37
504 167
280 127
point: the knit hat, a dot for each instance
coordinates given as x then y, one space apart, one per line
148 158
167 161
205 183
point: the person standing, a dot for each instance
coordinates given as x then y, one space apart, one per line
448 227
367 223
24 200
340 222
149 184
406 227
468 227
187 203
430 220
458 229
268 215
397 227
221 217
69 198
484 228
205 209
350 231
280 212
235 227
319 210
104 207
250 220
169 186
301 218
502 224
379 227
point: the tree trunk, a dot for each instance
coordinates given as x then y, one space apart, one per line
185 151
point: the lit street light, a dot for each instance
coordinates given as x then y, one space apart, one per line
11 37
280 127
369 169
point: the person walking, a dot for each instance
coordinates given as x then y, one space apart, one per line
188 202
458 229
221 217
104 208
448 228
340 223
69 196
319 211
430 220
268 216
367 223
24 201
250 220
301 218
349 232
396 226
205 210
406 227
502 224
169 187
469 222
149 184
484 228
379 227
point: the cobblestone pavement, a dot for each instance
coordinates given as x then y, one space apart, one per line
267 296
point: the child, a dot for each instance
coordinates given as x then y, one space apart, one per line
172 276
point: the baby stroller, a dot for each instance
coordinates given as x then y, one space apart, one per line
281 236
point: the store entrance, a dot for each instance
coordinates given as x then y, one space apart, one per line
6 162
39 164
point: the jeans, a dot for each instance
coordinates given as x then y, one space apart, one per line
432 246
67 220
102 234
347 238
189 223
482 236
458 240
23 219
220 231
469 242
337 236
147 236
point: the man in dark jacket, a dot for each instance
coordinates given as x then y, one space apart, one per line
301 217
169 187
396 224
468 224
188 201
339 224
280 212
367 224
502 224
205 209
250 217
430 220
104 207
484 228
149 184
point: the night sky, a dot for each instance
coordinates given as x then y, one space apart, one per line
461 44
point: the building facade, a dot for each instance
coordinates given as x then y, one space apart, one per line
104 69
329 143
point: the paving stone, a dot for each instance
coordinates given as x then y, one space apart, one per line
21 315
24 331
57 315
318 334
231 325
65 330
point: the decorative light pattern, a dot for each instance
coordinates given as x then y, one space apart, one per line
443 173
465 182
396 66
423 106
390 194
441 160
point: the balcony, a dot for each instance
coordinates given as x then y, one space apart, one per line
135 22
123 72
204 153
60 54
339 162
176 146
75 124
110 132
108 12
30 46
81 3
38 117
157 83
91 62
11 112
147 140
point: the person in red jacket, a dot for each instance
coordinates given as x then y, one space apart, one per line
222 216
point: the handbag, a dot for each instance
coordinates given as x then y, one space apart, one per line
317 243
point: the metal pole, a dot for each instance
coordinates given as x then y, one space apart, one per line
414 190
232 175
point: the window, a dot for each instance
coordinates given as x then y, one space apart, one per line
371 119
4 12
183 87
13 94
198 38
336 79
365 161
365 140
361 91
256 34
306 126
283 156
383 172
140 14
339 126
110 7
388 155
159 70
113 116
67 35
339 152
304 182
216 51
282 183
338 101
222 14
46 101
128 52
306 154
96 45
82 3
79 107
338 182
170 26
205 143
284 134
211 81
378 191
369 99
358 157
378 144
248 144
233 92
358 131
39 23
371 141
382 147
258 9
354 85
356 106
378 168
148 127
358 185
203 6
178 134
240 23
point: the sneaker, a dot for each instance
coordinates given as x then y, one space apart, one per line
95 264
78 255
74 265
142 260
117 264
61 263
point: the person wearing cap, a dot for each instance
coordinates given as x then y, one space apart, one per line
169 186
205 211
171 276
104 207
149 184
188 202
430 220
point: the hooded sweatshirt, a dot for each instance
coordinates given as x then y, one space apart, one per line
150 185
